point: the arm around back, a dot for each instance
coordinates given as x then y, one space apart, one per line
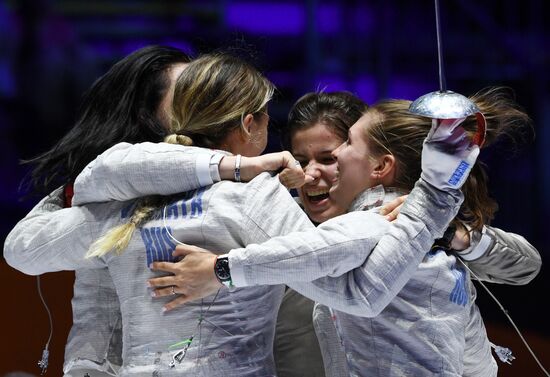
128 171
47 241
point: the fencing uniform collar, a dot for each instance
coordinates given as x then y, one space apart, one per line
374 197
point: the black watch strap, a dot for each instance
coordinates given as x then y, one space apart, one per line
222 271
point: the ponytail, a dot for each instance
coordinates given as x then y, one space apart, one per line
118 238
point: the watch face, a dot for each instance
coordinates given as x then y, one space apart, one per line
222 269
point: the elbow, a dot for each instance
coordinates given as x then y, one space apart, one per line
364 305
18 259
532 272
375 309
531 268
365 298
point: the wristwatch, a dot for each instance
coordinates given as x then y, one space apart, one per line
221 270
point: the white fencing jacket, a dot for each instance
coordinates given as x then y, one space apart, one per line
127 169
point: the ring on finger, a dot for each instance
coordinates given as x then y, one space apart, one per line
174 290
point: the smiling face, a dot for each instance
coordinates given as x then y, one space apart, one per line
357 168
312 147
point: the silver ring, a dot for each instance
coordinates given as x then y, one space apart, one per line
297 163
174 290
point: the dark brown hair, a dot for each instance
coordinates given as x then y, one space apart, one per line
337 110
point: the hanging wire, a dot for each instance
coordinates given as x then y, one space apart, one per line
167 229
43 362
501 351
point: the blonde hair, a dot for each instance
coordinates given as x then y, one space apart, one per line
213 95
400 133
211 98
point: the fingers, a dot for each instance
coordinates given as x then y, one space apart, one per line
178 301
164 266
164 281
393 214
292 175
166 291
183 249
309 179
451 124
445 129
288 161
292 178
392 205
252 166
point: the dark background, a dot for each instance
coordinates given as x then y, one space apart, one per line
51 51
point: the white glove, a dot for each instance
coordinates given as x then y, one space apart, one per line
447 155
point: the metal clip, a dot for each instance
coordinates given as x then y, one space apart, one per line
43 362
178 357
503 353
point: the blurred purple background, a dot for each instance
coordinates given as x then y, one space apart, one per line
51 51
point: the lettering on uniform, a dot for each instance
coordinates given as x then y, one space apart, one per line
158 244
196 203
190 207
459 294
173 210
459 173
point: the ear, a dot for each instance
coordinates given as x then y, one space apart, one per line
246 124
384 169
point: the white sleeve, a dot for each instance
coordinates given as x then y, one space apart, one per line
128 171
50 238
387 255
268 210
332 249
501 257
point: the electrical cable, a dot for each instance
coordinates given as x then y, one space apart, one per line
43 362
504 353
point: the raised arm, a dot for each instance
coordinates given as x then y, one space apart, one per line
128 171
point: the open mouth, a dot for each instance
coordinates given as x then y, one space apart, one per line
317 196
